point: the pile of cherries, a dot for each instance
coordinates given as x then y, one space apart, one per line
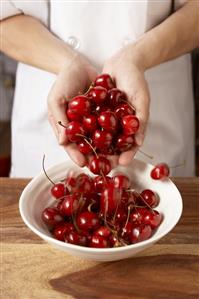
101 120
101 211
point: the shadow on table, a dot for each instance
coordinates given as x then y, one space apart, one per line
156 277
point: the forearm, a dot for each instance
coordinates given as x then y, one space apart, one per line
27 40
177 35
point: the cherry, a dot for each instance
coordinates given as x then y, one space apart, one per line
88 221
125 143
84 184
140 233
60 230
102 108
59 190
126 231
120 215
73 130
115 96
99 242
69 205
73 116
90 123
105 81
70 182
123 110
107 121
84 147
103 231
110 199
91 202
149 197
101 182
76 238
102 139
160 171
152 218
121 181
113 239
52 216
130 124
137 215
98 94
80 105
100 165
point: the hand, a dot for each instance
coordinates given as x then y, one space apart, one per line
129 77
74 78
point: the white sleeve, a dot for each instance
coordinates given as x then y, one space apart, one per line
38 9
8 9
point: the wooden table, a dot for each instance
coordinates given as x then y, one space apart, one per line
33 269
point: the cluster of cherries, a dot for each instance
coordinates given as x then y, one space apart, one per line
101 211
101 120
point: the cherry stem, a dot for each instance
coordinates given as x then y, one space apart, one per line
91 86
143 199
178 165
148 156
127 219
60 123
45 171
86 140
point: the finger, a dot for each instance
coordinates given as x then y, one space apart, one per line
57 110
74 154
126 157
53 125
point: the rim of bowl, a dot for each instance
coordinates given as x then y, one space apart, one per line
151 240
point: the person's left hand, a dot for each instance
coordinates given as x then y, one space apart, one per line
128 74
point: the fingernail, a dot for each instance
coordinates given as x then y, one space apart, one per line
139 139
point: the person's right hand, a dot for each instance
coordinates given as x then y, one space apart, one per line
74 78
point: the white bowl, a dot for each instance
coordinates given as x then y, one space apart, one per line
36 196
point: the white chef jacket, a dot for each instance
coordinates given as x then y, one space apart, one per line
98 29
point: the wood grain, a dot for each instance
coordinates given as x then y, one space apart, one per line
31 269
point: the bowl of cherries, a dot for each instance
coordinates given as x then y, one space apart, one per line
97 212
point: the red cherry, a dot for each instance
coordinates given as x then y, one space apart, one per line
59 190
110 199
160 171
137 215
52 216
149 197
60 230
140 233
121 181
100 165
76 238
99 242
69 205
88 221
113 239
70 182
102 139
126 231
98 94
73 129
101 108
123 110
84 147
121 215
125 143
152 218
105 81
130 124
107 121
84 184
73 116
80 105
101 182
90 123
115 96
103 231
